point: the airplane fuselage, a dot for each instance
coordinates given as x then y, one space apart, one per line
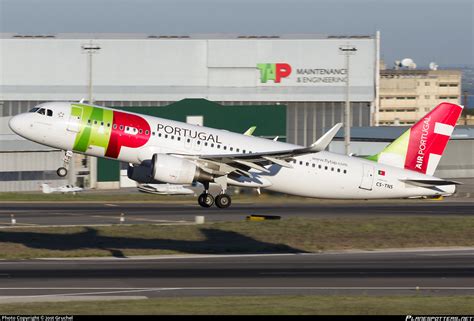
135 138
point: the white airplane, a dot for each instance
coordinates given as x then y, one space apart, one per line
173 152
165 189
61 189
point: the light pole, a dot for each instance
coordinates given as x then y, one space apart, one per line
91 49
347 51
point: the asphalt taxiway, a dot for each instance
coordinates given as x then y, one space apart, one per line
432 272
163 213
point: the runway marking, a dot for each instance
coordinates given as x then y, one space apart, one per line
111 205
92 293
125 290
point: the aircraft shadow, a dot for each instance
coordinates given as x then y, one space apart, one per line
215 242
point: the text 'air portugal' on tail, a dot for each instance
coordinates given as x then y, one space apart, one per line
420 148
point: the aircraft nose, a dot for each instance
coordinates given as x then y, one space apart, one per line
15 124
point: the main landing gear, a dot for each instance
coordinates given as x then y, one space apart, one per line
207 200
62 171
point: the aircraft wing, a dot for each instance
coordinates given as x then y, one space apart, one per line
225 164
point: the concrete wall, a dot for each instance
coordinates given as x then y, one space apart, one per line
174 69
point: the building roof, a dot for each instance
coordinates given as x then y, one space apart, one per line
157 35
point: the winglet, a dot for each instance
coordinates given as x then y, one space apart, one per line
324 140
250 131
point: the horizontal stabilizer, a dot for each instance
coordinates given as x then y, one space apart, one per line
429 183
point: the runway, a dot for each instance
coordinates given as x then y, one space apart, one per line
440 272
149 213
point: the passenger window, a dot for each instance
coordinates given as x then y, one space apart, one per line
232 148
172 137
146 132
179 138
325 167
95 122
188 140
345 171
166 135
101 123
205 143
199 142
307 164
338 170
121 127
88 121
140 131
319 166
225 147
238 150
218 146
301 163
314 165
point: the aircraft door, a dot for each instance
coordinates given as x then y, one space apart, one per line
367 177
74 123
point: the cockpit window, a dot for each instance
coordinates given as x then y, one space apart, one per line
49 112
42 111
33 110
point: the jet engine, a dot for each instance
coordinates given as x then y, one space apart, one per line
176 170
141 173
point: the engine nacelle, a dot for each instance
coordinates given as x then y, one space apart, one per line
176 170
141 173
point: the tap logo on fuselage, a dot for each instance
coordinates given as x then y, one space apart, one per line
108 129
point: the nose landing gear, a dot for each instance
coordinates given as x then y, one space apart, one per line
62 171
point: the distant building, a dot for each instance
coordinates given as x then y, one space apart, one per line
406 95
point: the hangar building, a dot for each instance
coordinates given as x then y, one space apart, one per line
302 76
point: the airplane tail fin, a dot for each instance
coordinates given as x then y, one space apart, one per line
46 189
420 148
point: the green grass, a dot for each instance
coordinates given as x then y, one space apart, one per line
289 235
263 305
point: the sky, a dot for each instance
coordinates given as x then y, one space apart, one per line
424 30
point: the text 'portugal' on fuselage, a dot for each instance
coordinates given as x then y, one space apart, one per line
166 151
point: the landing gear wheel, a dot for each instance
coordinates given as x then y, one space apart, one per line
62 171
205 200
223 201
